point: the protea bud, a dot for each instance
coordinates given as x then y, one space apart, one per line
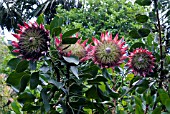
78 49
141 61
33 41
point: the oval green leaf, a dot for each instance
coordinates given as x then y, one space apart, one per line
22 66
24 81
69 40
34 80
134 34
144 32
141 18
13 63
72 59
143 2
26 97
137 45
70 33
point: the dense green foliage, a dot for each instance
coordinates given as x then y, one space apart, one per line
60 84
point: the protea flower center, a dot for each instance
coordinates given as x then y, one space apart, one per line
141 61
108 52
33 42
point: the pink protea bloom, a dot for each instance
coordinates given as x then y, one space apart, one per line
141 61
108 52
78 49
33 41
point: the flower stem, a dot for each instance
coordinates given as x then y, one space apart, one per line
160 40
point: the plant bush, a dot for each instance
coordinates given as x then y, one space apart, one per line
75 64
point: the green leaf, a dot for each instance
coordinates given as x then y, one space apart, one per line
150 39
157 110
92 93
22 66
14 79
13 63
56 31
164 113
70 33
137 45
74 70
29 107
138 101
54 23
69 40
149 99
85 75
134 34
144 32
111 92
57 84
72 59
140 90
138 110
129 77
33 65
16 107
141 18
163 96
130 107
40 19
75 88
122 112
44 68
102 95
34 80
26 97
44 96
167 104
92 70
102 86
60 21
106 74
143 2
88 110
97 80
24 82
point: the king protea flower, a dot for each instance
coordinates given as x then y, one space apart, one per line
33 41
78 49
141 61
108 52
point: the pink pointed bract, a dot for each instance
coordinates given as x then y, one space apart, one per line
108 52
141 61
78 49
33 41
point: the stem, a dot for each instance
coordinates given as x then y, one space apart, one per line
160 40
146 110
68 72
67 85
58 74
56 71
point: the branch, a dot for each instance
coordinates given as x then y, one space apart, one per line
160 40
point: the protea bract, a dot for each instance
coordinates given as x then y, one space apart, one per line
108 52
33 41
141 61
